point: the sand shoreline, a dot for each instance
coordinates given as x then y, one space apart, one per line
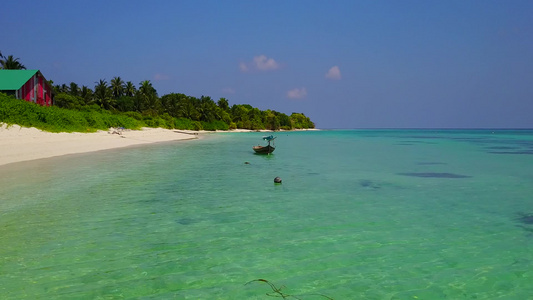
18 144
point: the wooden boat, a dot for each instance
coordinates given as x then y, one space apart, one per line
265 149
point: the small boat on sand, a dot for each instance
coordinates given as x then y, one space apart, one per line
265 149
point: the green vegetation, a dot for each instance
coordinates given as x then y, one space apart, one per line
74 114
173 110
55 119
10 63
121 104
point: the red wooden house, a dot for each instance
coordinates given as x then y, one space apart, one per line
29 85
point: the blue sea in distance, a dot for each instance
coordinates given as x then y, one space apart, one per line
361 214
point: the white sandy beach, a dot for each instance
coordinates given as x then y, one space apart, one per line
19 144
22 144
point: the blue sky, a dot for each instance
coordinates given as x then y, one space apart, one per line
345 64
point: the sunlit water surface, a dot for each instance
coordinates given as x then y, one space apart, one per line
359 215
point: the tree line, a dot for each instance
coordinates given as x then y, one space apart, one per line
203 113
172 110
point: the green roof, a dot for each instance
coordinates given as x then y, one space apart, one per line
14 79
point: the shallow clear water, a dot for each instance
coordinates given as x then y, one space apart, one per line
369 214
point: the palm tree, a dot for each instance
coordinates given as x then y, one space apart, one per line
63 88
187 108
129 90
86 94
10 63
117 86
170 104
74 89
223 104
207 109
148 96
103 94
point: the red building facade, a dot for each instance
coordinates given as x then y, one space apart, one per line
29 85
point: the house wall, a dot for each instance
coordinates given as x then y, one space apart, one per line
40 96
26 91
36 90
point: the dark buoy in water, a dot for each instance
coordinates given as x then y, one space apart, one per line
277 180
246 162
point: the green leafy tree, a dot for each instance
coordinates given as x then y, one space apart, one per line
188 108
271 120
125 103
207 109
225 116
86 95
11 63
129 89
103 95
300 121
172 103
256 118
117 86
284 121
74 89
65 100
239 114
223 104
148 97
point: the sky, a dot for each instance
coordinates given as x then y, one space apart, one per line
344 64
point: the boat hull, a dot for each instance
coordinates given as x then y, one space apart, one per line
263 149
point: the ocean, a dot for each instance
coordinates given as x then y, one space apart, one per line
360 214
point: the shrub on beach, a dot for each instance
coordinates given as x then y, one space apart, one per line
183 123
196 125
215 125
134 114
56 119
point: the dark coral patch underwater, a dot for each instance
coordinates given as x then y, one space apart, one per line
369 184
525 218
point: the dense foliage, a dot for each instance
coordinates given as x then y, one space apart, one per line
55 119
121 104
91 117
174 110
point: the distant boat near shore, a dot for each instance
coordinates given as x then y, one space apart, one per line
265 149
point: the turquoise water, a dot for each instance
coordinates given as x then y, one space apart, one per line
368 214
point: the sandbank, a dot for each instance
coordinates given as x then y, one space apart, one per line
19 144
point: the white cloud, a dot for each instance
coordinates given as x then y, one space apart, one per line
264 63
259 63
297 93
334 73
